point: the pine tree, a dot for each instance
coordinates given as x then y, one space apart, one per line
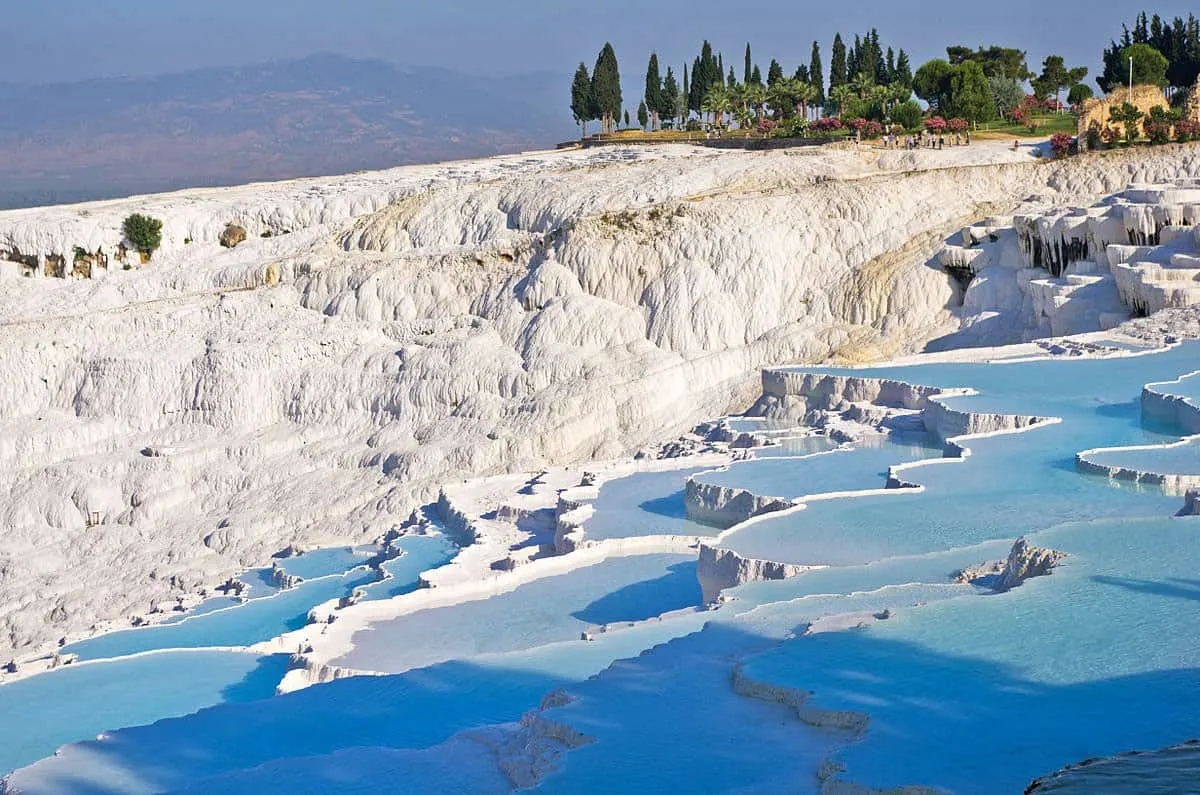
904 75
816 74
654 91
606 87
581 99
749 66
774 73
801 74
838 65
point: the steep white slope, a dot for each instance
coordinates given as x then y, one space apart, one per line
163 426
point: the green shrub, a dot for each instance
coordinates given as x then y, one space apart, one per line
907 115
144 232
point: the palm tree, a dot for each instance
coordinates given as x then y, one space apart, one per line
802 94
782 96
862 85
756 97
716 102
841 95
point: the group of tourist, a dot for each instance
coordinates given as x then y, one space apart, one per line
927 140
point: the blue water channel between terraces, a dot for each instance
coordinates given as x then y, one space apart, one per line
79 702
1183 459
645 504
861 466
1011 484
545 611
260 619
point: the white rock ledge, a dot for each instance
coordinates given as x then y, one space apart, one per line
1174 484
719 569
724 507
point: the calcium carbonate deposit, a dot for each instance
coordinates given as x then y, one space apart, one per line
427 479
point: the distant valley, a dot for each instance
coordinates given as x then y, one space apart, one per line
325 114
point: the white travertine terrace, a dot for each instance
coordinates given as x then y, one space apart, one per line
380 335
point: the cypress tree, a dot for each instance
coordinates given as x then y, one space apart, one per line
581 99
801 74
837 66
643 115
686 91
654 91
627 117
904 75
774 73
606 87
749 66
878 66
720 68
854 59
696 93
732 79
816 74
756 78
889 75
670 96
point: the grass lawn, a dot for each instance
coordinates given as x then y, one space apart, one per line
1048 125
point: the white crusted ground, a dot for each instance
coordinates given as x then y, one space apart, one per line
164 426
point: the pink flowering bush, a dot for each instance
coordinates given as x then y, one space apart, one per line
935 124
1060 144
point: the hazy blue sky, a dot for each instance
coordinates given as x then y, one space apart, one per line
69 39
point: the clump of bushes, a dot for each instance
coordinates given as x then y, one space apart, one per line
1060 144
233 235
144 232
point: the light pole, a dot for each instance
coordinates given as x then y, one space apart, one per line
1131 80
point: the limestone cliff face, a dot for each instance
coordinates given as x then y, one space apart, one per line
377 335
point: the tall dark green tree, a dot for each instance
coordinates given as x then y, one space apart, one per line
802 74
606 88
854 59
581 99
890 67
695 92
904 75
837 63
670 96
774 73
654 92
816 74
756 77
731 81
878 65
749 65
643 116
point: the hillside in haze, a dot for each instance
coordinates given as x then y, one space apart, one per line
325 114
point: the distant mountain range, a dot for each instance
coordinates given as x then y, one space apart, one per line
326 114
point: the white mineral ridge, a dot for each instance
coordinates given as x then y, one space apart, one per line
164 426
